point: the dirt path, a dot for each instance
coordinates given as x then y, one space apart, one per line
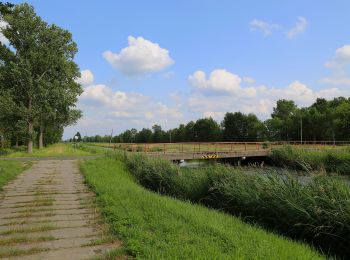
48 213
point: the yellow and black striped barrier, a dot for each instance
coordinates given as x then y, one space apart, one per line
210 156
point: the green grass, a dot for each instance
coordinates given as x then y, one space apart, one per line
316 210
9 170
55 150
157 227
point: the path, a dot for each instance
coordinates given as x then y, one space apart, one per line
48 213
73 157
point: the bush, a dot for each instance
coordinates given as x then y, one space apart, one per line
5 151
317 211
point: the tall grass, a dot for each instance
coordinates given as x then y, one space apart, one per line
332 161
317 211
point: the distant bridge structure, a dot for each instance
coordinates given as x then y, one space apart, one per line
218 150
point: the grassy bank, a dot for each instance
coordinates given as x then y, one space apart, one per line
329 160
9 170
55 150
317 211
158 227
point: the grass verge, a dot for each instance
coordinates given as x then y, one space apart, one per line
55 150
156 227
316 210
10 169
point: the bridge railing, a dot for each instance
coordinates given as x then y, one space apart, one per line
221 147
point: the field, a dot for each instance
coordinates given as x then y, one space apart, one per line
157 227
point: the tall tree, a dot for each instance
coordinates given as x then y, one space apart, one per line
39 69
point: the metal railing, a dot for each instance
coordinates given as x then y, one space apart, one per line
222 147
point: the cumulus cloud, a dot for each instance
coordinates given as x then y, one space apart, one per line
254 99
3 39
262 26
219 80
299 28
337 66
140 57
86 78
341 58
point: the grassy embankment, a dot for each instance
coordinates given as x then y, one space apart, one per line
159 227
55 150
328 160
317 211
9 170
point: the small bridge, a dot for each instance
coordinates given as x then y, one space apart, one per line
215 150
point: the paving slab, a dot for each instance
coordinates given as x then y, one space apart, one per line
50 200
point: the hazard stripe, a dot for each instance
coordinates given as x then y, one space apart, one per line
209 156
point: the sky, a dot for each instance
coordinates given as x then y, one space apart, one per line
169 62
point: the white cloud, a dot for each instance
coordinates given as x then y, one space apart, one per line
86 78
335 80
3 39
338 65
248 80
265 27
341 58
140 57
299 28
254 99
219 80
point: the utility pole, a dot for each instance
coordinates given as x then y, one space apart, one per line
110 140
301 130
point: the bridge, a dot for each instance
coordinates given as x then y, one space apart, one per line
217 150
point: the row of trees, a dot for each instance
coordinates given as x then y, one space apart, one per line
322 121
38 91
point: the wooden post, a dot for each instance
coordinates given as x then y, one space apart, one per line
245 146
164 148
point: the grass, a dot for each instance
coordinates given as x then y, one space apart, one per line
156 227
9 171
24 239
328 160
55 150
20 252
317 210
28 230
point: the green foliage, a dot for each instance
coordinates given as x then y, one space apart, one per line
332 161
157 227
322 121
317 211
38 90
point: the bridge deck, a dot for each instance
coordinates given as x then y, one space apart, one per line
212 150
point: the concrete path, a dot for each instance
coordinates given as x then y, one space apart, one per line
84 157
48 213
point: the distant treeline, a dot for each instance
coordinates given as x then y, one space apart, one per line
322 121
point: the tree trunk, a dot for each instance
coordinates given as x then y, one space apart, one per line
2 141
30 133
41 137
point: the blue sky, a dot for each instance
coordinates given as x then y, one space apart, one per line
191 59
